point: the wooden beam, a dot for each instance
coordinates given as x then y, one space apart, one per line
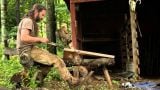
81 52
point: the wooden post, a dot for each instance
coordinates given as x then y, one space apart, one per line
87 77
73 23
107 77
76 72
134 36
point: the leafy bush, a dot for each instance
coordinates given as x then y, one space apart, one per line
7 69
53 74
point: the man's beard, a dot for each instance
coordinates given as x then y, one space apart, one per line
38 18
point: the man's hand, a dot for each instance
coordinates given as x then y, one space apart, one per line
26 37
44 40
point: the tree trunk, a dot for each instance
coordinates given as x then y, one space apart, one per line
51 24
3 27
17 11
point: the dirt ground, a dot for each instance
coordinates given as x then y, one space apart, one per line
88 85
99 83
120 81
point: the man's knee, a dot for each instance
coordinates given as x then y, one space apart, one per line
59 63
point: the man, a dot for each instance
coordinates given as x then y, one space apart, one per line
27 38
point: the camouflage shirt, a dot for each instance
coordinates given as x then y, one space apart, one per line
27 24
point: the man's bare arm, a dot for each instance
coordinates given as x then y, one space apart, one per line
25 37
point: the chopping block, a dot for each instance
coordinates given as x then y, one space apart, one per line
74 57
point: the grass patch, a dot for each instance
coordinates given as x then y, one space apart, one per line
7 69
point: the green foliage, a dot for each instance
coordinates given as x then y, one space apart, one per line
62 13
53 74
62 16
13 32
60 49
33 72
12 66
7 69
116 82
1 51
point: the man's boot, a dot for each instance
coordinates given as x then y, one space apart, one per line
73 81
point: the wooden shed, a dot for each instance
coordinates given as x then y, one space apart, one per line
114 27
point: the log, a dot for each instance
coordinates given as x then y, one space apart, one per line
72 58
81 52
91 62
86 78
98 61
10 51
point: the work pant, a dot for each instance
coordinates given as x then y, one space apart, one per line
44 57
